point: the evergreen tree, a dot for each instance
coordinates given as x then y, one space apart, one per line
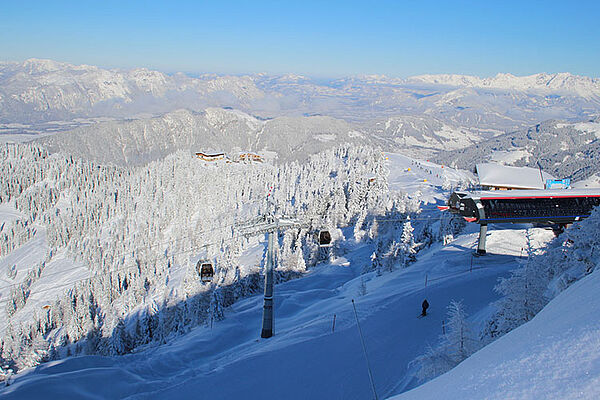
456 345
408 243
377 259
121 342
373 229
524 294
392 255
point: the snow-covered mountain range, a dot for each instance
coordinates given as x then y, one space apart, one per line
37 91
44 90
563 82
566 150
146 114
142 140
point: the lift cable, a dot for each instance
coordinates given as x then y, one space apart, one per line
161 257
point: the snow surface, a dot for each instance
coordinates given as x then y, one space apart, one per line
423 179
591 182
58 275
17 138
592 127
307 358
8 213
554 356
510 157
304 359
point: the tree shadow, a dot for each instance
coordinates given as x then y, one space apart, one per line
151 326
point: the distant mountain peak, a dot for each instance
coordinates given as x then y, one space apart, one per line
40 90
561 81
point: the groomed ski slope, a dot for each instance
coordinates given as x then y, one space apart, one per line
306 358
554 356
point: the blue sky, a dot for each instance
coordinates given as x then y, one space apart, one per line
317 38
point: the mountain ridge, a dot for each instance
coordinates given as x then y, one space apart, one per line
38 90
561 81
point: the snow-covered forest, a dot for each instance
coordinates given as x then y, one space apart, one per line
106 215
566 150
138 232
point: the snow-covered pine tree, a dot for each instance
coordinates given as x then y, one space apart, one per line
459 336
408 244
392 255
359 233
373 229
121 342
456 345
524 294
377 259
450 226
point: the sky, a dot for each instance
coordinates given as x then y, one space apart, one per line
316 38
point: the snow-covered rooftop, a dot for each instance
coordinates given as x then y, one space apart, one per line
510 194
497 175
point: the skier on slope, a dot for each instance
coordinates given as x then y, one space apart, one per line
425 306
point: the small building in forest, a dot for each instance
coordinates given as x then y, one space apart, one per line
249 157
210 156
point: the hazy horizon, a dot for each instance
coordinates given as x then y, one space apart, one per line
312 77
337 39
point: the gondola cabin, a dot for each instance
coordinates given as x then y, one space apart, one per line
205 270
325 239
